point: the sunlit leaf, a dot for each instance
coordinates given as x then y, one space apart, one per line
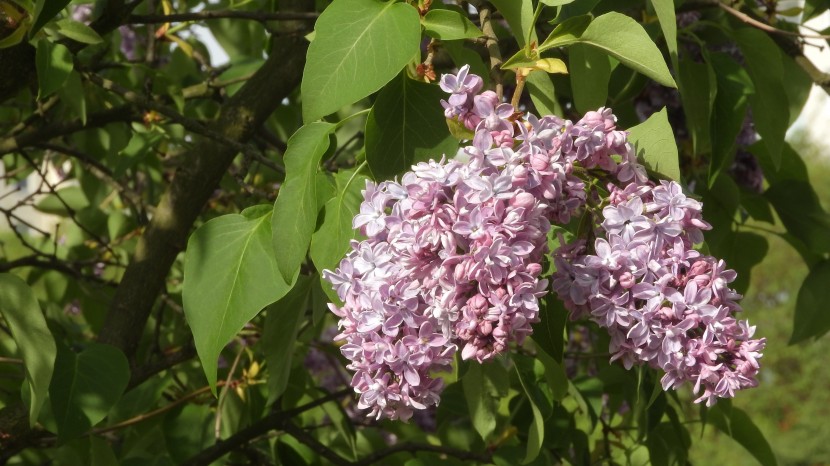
331 241
449 25
296 207
34 341
654 142
359 46
629 43
230 274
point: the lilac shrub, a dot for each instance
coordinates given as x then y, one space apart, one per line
453 256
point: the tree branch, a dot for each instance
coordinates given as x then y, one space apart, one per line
416 447
261 16
182 202
192 185
276 420
492 44
42 134
18 68
789 41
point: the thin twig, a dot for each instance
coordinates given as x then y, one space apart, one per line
69 210
485 16
416 447
271 422
174 116
308 440
261 16
154 413
745 18
217 425
517 93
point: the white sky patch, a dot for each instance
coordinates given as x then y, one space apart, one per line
218 56
816 113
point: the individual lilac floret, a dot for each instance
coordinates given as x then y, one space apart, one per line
663 302
463 87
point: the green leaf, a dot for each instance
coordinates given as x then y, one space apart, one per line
484 385
519 16
737 424
450 25
556 2
525 367
811 316
721 202
655 145
359 46
14 38
54 64
800 210
555 375
549 332
35 343
542 93
282 321
590 73
45 10
139 399
343 423
742 251
629 43
520 59
188 430
666 446
770 107
243 39
53 203
406 126
462 55
331 241
668 23
78 31
697 90
72 94
798 86
296 207
230 274
85 386
731 100
567 32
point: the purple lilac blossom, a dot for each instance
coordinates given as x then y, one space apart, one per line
663 303
454 251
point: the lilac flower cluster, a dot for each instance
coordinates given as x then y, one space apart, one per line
662 302
453 251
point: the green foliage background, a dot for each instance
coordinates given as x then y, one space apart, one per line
173 311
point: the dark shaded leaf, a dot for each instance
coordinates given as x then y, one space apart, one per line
406 126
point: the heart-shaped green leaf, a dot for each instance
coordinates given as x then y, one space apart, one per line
32 337
359 45
230 274
85 386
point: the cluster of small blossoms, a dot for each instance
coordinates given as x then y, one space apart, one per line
453 251
662 302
